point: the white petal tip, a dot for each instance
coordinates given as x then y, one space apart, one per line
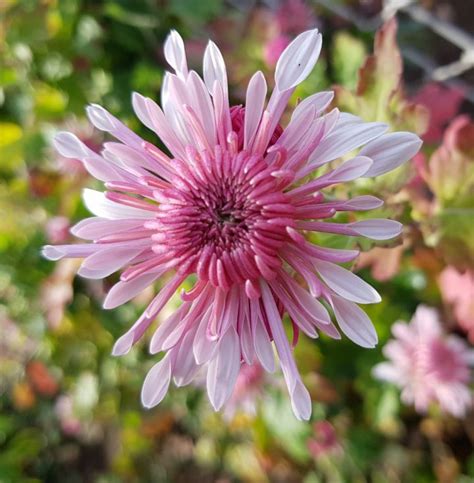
301 402
175 53
298 60
123 345
111 301
156 383
88 273
153 348
136 97
149 401
391 151
68 145
51 253
217 406
367 344
92 198
378 229
108 305
100 118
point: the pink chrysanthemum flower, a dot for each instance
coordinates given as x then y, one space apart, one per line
229 207
457 290
428 366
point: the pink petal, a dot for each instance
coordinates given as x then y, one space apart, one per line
331 119
166 292
221 112
101 118
201 102
122 292
335 255
95 228
262 344
270 118
296 130
354 322
157 382
390 151
80 250
223 369
140 107
99 205
176 334
105 121
300 399
131 159
295 310
52 253
124 343
360 203
69 146
297 60
318 101
346 120
346 284
151 115
254 103
214 68
377 229
107 261
166 327
350 170
203 347
175 54
185 367
246 341
313 307
301 402
307 142
343 140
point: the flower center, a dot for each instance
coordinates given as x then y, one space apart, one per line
226 215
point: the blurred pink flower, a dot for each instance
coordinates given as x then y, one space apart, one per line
325 441
428 366
229 208
57 229
274 48
458 290
443 104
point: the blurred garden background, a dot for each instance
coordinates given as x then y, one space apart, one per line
69 411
